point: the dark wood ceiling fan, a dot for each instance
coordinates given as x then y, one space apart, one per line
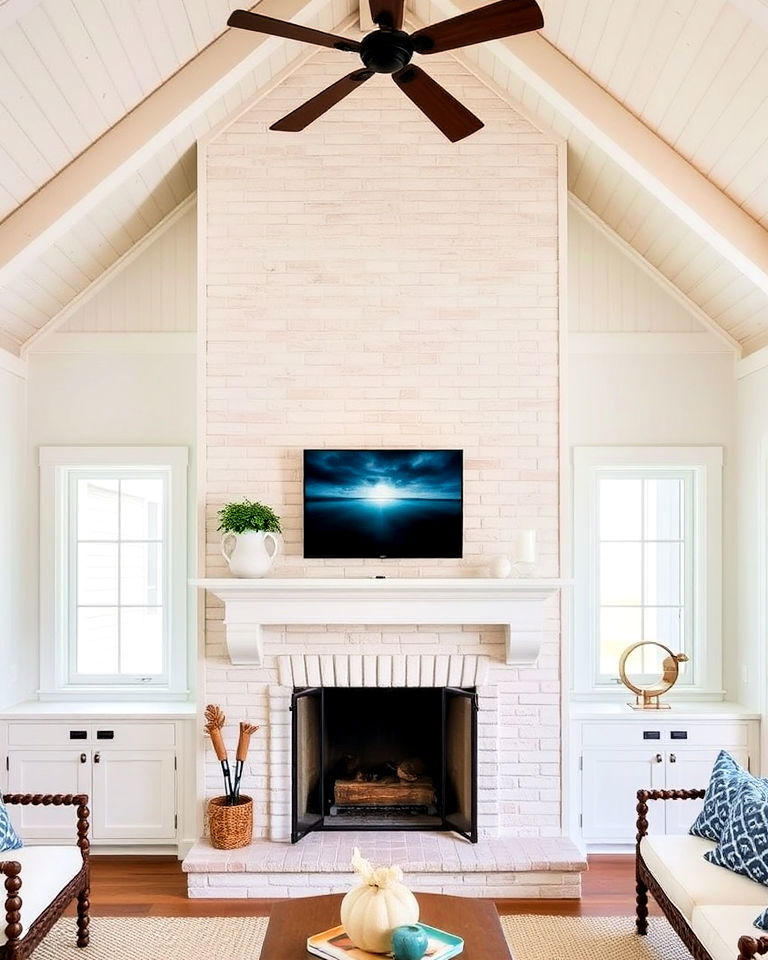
388 49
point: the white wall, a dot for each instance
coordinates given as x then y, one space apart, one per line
750 660
95 397
609 290
155 291
648 380
109 393
17 645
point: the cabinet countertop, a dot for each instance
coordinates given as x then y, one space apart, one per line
106 710
720 710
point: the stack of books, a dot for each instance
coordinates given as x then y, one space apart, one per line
335 945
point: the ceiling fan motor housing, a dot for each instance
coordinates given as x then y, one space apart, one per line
386 51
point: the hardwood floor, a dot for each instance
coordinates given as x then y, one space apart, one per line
156 886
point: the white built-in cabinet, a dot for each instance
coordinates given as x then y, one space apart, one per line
130 769
616 751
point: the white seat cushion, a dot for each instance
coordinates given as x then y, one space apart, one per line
678 863
45 871
719 927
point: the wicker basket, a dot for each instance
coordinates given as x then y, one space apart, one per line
230 827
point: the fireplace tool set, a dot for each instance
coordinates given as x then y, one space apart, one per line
215 718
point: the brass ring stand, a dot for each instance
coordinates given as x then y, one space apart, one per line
648 699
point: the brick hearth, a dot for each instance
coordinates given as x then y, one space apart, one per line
434 862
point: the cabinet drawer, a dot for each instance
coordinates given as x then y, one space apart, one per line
650 734
655 734
130 735
48 734
92 734
708 735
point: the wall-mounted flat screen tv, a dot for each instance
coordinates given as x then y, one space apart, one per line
383 503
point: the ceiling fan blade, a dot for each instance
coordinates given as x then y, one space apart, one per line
387 13
245 20
434 101
302 116
503 19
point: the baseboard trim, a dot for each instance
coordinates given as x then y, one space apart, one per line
135 850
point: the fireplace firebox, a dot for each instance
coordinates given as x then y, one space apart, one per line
384 759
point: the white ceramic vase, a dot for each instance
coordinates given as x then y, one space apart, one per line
247 553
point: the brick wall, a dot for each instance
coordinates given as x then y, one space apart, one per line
371 285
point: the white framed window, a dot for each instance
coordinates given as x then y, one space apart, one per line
113 571
647 563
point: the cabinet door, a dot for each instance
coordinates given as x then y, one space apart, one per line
134 795
48 771
690 770
610 781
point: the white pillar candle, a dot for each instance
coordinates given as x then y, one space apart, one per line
526 546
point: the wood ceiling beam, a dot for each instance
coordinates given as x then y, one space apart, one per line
635 147
173 107
645 156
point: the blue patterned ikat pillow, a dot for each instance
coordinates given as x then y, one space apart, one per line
726 781
743 847
9 839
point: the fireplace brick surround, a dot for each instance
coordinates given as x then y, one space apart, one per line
367 284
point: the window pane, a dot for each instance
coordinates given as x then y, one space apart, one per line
663 573
620 579
97 642
663 509
96 573
665 625
97 509
620 508
140 573
141 648
619 627
141 509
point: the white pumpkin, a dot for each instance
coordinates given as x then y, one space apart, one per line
371 911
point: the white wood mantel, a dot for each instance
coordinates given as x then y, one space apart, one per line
515 604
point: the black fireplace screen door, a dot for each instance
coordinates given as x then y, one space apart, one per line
456 768
460 761
307 734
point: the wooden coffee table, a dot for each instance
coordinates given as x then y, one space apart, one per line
292 921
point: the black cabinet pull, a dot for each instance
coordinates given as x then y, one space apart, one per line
83 758
78 734
97 758
105 734
679 734
651 735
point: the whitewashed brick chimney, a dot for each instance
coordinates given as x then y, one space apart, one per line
369 284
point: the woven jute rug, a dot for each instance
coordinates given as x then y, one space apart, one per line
240 938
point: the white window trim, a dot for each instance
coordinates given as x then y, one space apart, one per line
706 654
56 464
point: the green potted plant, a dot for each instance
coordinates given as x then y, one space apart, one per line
246 529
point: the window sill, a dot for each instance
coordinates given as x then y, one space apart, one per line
114 694
620 694
713 709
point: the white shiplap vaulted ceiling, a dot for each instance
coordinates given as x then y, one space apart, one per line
80 77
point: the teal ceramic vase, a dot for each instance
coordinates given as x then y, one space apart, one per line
409 942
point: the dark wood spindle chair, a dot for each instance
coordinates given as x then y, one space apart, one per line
21 941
